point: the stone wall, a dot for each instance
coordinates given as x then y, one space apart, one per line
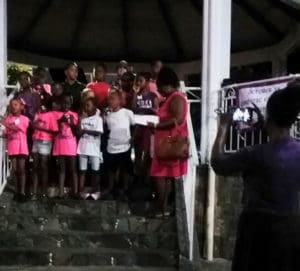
227 210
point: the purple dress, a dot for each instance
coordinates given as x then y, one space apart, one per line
271 174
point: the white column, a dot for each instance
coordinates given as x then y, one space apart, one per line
3 47
215 68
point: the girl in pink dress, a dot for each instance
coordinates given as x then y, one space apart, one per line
173 120
44 130
65 145
16 126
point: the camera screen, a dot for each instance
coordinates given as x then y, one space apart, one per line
242 115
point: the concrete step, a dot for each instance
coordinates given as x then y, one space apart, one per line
87 257
127 224
76 239
79 207
85 268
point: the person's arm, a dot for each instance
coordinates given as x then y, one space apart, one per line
229 164
16 128
155 104
36 126
177 114
219 144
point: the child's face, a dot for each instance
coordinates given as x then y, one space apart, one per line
40 78
126 83
157 67
72 73
141 82
66 105
57 90
15 107
100 74
114 100
121 70
89 108
25 81
88 94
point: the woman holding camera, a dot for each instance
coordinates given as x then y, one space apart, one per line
271 174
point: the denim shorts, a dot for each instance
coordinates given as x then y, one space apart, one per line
94 162
43 147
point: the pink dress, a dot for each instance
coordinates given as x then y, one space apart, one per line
46 121
17 140
174 168
65 143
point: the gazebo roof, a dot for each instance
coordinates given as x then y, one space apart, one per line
137 30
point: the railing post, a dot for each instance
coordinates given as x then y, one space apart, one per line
3 47
3 82
215 68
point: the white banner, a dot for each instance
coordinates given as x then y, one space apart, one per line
258 95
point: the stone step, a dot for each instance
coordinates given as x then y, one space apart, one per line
131 224
87 257
79 207
85 268
53 240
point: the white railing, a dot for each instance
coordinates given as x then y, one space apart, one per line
4 165
4 161
191 178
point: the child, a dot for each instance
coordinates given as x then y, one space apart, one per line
44 127
99 86
91 127
29 97
146 104
16 126
57 92
121 68
119 122
128 93
41 88
65 145
72 87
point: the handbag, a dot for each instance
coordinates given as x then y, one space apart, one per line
172 147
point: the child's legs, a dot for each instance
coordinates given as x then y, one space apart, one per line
13 160
95 166
35 171
126 169
43 171
112 166
83 165
44 150
61 174
21 172
72 166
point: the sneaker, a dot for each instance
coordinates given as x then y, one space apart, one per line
96 195
84 195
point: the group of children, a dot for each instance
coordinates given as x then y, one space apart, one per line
76 129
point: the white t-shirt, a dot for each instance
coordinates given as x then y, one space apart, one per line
118 124
89 144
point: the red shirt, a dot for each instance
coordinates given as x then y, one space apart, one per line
101 90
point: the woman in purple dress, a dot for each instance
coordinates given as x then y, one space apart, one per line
271 174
